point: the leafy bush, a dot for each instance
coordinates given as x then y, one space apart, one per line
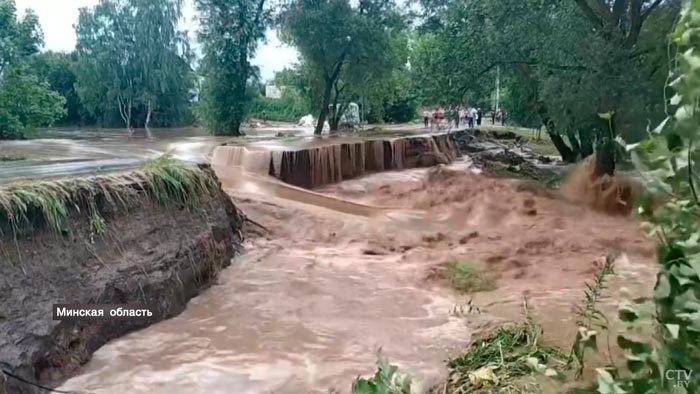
289 108
387 380
26 102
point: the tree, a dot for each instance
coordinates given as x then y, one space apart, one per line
230 32
561 69
132 58
25 101
341 43
18 38
58 69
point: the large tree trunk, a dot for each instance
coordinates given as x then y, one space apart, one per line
148 120
573 141
585 137
605 149
566 153
324 109
605 157
334 122
124 107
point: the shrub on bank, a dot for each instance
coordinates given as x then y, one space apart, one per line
289 108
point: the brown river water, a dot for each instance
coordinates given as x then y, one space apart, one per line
351 268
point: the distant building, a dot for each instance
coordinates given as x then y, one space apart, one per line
273 92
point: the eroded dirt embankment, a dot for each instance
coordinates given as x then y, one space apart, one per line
155 254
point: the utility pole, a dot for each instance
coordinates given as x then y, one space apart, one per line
498 87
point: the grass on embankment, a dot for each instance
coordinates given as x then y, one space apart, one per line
27 204
537 140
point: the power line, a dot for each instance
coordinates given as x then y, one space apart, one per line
23 380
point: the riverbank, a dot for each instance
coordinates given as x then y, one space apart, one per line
156 236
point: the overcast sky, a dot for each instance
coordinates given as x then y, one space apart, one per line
57 18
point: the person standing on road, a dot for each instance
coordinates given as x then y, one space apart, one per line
479 114
426 118
504 115
472 117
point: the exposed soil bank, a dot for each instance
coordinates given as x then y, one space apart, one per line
157 255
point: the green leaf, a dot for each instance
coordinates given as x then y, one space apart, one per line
673 329
606 116
606 383
661 126
634 346
628 313
636 363
549 372
694 262
692 242
535 364
663 288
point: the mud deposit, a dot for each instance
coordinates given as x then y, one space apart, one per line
156 255
339 275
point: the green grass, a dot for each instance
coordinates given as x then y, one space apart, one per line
469 276
29 204
4 157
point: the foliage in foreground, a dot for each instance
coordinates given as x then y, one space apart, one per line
507 360
387 380
29 204
670 362
503 361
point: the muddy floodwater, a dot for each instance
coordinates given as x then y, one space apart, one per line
330 276
338 276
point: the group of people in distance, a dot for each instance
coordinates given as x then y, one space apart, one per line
471 116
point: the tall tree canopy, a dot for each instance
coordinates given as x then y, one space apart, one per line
230 33
58 69
25 100
564 62
133 59
342 44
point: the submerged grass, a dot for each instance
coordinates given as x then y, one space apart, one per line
4 157
29 204
469 276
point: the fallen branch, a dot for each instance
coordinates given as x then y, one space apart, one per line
258 224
